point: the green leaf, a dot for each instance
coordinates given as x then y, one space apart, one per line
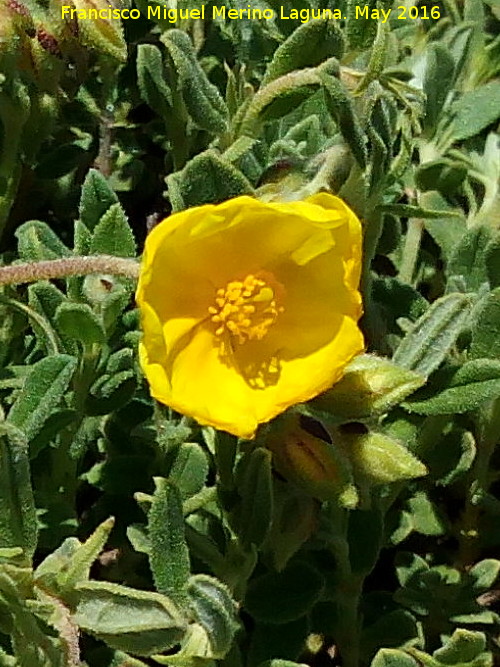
97 197
426 346
37 242
392 657
18 523
475 110
276 598
43 390
215 611
189 470
152 81
78 568
390 629
110 392
484 574
308 46
412 211
380 459
113 235
492 261
469 258
486 328
53 568
438 80
203 101
473 384
462 647
408 567
294 520
77 321
447 230
360 31
138 622
341 108
454 456
206 179
168 556
424 516
254 482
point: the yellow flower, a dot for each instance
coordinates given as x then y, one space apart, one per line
249 307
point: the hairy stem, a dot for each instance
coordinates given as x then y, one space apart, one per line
68 266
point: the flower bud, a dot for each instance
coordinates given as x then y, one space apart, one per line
378 459
312 464
370 386
103 34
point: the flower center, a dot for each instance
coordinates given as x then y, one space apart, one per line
246 309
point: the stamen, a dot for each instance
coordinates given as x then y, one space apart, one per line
247 309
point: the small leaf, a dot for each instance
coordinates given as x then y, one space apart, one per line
77 321
341 107
469 258
409 567
138 622
392 657
438 80
413 211
462 647
97 197
18 523
486 328
37 242
44 388
425 347
360 30
308 46
475 110
215 611
168 556
206 179
424 516
189 470
484 574
78 569
276 598
110 392
113 235
203 101
254 481
151 78
471 385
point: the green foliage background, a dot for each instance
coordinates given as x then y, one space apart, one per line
130 536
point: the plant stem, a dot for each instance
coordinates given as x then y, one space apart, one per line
487 439
68 266
347 625
411 249
373 230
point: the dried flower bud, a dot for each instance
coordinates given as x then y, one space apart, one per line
314 465
103 34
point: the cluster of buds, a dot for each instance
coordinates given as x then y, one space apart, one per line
41 44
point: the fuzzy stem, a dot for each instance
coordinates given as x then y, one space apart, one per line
411 250
68 266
